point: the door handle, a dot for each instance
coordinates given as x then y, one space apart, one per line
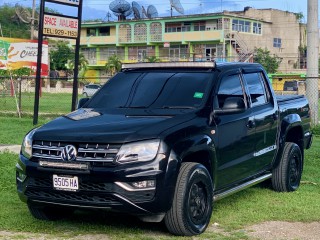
251 124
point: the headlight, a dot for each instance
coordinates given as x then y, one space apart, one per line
26 148
140 151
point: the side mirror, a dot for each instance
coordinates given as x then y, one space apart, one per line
82 102
232 105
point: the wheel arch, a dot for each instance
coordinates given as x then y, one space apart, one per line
204 157
291 131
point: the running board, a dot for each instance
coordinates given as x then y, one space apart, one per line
241 187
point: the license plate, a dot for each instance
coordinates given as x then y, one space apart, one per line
65 183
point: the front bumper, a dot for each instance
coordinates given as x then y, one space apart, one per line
99 187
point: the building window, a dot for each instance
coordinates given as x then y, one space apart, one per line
140 32
241 25
199 26
124 33
173 27
174 53
155 32
257 28
186 27
178 27
91 32
104 31
90 55
107 52
277 43
140 53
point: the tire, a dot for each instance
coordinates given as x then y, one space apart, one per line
191 209
49 213
287 175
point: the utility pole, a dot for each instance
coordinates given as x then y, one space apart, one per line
312 60
1 30
32 18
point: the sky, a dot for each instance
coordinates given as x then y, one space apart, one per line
98 9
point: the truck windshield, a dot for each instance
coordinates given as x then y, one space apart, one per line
153 90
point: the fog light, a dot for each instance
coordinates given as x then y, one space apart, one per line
144 184
138 186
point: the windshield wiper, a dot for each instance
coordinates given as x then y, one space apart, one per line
178 107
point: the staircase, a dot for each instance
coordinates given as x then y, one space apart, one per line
240 46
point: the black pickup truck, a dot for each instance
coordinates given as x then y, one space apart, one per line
163 141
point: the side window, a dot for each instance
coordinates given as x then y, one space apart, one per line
230 86
256 89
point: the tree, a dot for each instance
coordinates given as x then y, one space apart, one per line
299 17
270 63
83 67
12 27
113 65
4 77
60 57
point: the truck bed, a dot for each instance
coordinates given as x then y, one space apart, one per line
285 98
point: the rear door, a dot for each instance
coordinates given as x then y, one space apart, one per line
265 121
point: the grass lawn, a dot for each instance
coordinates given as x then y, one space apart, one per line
254 205
14 129
50 103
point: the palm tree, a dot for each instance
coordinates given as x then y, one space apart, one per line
83 65
113 65
153 59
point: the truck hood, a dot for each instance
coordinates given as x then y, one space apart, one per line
87 125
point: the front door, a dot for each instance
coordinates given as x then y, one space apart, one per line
235 134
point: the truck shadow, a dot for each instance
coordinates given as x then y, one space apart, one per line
118 221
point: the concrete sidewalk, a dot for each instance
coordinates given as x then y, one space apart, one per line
10 148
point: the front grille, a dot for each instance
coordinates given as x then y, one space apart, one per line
45 185
70 196
97 154
84 186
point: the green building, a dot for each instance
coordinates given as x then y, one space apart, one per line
226 36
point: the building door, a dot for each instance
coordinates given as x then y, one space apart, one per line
142 54
211 53
174 54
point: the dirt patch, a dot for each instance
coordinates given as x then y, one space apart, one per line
285 231
264 231
38 236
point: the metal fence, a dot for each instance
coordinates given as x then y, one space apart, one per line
17 96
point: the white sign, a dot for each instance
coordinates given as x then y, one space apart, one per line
73 2
166 44
16 53
60 26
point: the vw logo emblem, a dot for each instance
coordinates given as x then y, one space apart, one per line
69 153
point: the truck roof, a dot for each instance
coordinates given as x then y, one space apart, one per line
188 65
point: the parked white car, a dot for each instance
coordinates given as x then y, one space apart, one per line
90 89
